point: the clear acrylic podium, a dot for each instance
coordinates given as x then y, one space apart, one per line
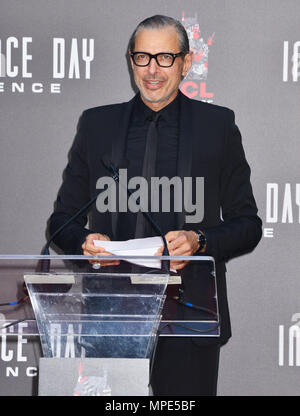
114 313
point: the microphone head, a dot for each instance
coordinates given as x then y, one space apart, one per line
106 161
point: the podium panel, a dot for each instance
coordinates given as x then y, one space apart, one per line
113 313
105 314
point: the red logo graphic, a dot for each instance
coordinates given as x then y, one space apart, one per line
194 84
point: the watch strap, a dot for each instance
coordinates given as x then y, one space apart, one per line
201 239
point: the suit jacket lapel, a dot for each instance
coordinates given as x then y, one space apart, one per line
121 126
184 161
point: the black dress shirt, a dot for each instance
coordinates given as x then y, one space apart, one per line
166 161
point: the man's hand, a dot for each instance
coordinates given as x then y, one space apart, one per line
180 243
89 249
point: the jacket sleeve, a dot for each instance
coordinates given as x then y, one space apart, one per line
73 194
240 230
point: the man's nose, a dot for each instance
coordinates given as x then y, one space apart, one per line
153 67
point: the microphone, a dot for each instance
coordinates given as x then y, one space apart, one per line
45 264
110 166
115 175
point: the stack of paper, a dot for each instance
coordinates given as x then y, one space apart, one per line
137 247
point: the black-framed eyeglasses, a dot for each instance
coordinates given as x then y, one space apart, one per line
164 59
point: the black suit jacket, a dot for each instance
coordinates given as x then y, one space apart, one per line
209 146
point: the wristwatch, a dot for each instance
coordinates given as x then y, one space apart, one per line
201 239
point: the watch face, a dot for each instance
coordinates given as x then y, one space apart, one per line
200 236
201 240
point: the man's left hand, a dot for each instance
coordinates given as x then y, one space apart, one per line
180 243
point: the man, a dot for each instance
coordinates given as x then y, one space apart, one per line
192 139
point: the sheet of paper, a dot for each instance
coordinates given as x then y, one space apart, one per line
136 247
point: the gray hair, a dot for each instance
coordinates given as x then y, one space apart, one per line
160 22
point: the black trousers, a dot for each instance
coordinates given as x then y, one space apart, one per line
183 368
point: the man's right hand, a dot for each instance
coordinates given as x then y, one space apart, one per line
89 249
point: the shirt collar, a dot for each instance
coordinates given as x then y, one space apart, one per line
169 113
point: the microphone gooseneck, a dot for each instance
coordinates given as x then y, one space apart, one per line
45 264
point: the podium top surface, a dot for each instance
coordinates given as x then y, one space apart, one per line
84 258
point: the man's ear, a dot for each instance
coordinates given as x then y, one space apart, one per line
187 63
130 58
